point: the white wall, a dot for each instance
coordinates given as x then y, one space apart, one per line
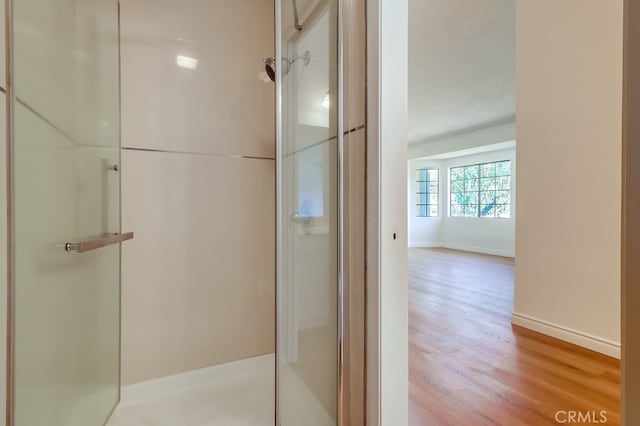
482 235
569 170
387 127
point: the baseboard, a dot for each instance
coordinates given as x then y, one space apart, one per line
460 247
579 338
425 245
157 388
481 250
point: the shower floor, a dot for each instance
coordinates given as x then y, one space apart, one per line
240 393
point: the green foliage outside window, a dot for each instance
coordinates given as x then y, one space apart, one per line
481 190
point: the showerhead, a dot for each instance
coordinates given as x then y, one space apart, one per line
270 68
286 63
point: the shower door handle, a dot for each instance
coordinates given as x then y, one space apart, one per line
297 218
98 243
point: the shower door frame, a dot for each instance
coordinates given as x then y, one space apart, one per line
7 388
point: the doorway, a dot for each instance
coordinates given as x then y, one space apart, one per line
551 318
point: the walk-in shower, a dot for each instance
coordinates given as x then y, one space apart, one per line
227 307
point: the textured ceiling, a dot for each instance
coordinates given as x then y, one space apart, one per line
461 65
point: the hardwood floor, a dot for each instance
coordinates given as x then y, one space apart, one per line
469 366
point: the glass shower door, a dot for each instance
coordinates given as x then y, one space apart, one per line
66 210
308 285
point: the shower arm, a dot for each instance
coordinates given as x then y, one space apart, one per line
296 20
306 56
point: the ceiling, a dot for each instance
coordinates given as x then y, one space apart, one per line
461 66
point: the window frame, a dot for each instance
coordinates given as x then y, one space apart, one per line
480 190
418 192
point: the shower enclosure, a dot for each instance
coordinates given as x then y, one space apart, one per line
309 132
64 116
321 212
65 91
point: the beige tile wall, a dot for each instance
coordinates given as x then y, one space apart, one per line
222 106
198 280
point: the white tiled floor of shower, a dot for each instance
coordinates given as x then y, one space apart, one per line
236 394
240 393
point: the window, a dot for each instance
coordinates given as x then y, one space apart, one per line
427 193
481 190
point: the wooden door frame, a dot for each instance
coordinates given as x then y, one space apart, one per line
630 273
